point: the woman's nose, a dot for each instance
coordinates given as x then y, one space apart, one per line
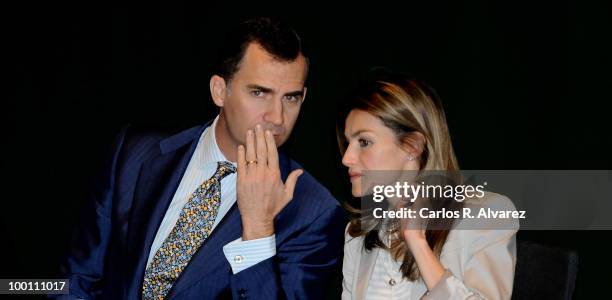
348 159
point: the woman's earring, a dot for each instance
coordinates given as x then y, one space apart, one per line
410 157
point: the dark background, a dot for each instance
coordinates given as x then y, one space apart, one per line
525 86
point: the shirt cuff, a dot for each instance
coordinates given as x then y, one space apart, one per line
441 290
244 254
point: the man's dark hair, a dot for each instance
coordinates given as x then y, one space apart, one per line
278 39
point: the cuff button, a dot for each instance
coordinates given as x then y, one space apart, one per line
238 259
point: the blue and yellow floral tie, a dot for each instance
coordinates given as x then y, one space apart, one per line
191 230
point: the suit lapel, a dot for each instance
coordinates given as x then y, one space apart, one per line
159 178
158 181
210 258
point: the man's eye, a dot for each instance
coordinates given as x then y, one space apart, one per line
364 142
293 98
257 93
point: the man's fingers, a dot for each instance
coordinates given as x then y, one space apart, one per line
291 181
272 151
260 146
241 160
250 146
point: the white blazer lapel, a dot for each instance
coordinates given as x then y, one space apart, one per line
366 266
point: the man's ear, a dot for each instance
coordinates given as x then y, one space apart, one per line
218 90
304 95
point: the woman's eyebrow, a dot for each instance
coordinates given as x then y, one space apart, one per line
358 132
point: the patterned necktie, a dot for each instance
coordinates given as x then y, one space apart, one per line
191 230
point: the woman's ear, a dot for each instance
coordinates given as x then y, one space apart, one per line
218 90
413 144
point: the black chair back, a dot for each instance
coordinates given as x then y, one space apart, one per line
544 272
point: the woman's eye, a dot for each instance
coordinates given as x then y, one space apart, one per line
257 93
364 142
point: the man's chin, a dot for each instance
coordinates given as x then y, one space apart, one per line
279 140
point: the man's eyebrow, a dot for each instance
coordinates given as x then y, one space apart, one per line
259 87
295 93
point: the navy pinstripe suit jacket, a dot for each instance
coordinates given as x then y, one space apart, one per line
128 203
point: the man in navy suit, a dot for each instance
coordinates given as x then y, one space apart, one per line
215 211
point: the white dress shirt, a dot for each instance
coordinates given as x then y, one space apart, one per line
203 164
387 281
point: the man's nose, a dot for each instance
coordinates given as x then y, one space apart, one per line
275 113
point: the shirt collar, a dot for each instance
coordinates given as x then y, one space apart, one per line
208 150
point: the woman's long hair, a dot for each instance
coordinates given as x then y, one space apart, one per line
405 105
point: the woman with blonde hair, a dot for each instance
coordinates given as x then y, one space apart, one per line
390 123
